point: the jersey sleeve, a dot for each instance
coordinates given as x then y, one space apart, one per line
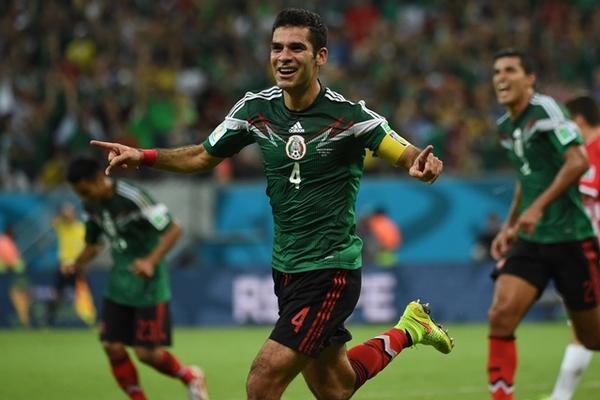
369 126
157 215
371 130
231 135
589 184
564 134
141 208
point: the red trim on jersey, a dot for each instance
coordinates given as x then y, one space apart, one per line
324 313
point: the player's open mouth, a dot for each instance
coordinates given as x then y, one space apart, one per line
286 71
502 88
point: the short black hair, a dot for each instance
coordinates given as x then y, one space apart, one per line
526 61
585 106
82 169
304 18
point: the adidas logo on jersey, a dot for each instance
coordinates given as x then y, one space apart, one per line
296 128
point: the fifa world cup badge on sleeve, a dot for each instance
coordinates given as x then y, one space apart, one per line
217 134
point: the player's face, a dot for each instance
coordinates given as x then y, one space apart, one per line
294 63
511 83
91 190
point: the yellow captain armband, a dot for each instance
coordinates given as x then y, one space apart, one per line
391 147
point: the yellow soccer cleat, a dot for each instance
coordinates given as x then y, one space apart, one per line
422 329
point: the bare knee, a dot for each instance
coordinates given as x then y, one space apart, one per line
147 355
586 326
502 320
590 341
332 392
593 345
331 376
262 383
114 351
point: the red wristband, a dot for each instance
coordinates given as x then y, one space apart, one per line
150 156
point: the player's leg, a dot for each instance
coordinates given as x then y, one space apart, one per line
337 374
574 363
520 281
331 375
513 296
116 330
272 370
152 334
123 370
587 327
577 278
313 306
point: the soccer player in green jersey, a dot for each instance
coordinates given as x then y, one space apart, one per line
135 310
547 234
313 144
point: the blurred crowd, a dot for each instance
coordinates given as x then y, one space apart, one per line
161 73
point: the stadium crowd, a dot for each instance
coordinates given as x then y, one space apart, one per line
164 73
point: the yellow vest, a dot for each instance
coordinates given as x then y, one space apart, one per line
71 239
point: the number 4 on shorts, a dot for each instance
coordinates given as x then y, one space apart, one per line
298 319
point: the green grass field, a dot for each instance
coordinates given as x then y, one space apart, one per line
68 364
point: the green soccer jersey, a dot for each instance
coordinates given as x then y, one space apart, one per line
536 141
133 223
313 161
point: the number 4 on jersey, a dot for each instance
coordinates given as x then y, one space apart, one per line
295 175
298 319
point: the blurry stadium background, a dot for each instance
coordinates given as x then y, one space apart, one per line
164 73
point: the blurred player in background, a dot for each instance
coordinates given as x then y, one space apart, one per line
135 311
12 263
584 111
313 144
381 238
70 235
547 234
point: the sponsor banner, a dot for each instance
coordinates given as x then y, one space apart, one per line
211 296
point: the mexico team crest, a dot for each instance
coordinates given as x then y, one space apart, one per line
295 148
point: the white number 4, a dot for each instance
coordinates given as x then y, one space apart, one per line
295 175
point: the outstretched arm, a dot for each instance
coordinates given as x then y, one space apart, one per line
186 159
421 164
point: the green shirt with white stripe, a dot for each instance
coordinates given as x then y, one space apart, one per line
536 141
313 162
133 223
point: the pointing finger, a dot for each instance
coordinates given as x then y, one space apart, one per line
104 145
425 153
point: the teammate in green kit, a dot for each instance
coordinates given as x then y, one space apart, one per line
547 235
313 144
135 310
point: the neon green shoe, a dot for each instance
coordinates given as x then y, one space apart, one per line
422 329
